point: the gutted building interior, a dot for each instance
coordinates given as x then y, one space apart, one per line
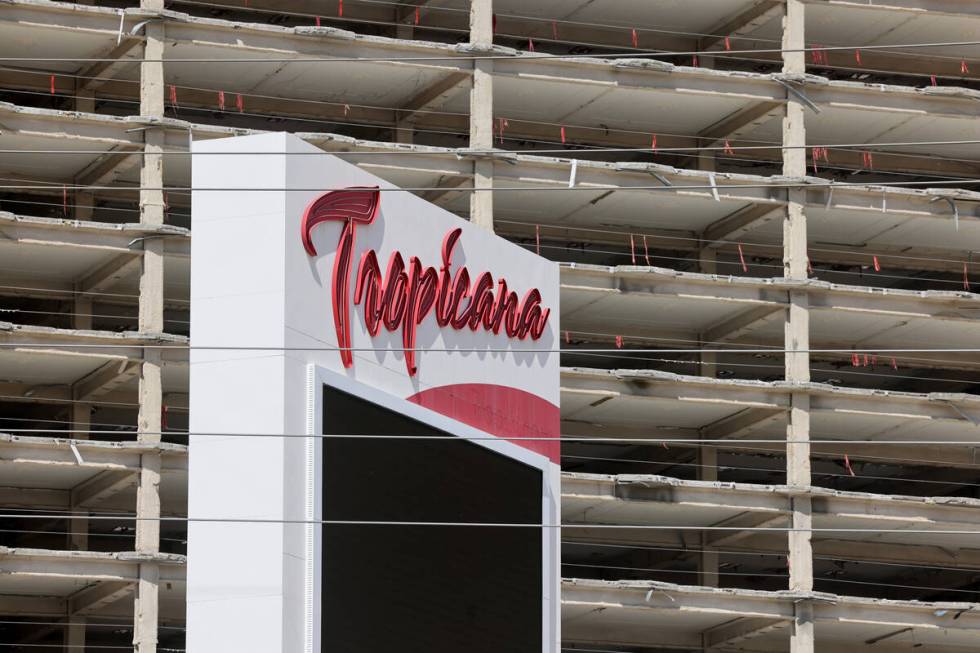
767 218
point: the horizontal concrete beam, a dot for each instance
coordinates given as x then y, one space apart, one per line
19 563
92 599
101 487
640 280
104 380
49 129
630 499
109 345
98 236
714 309
739 395
95 454
244 39
644 613
966 9
56 607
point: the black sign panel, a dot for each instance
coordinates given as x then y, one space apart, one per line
425 589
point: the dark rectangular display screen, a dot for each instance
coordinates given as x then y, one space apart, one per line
425 589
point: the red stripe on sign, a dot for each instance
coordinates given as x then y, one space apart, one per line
499 410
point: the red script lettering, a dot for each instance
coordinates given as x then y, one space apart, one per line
404 295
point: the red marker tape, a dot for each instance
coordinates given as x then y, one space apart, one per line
894 363
530 45
857 57
855 361
728 149
741 257
568 338
562 134
728 43
619 342
646 252
340 8
653 142
636 39
173 96
877 263
632 249
52 84
239 102
694 61
964 68
221 100
966 279
932 78
318 21
417 16
847 465
809 267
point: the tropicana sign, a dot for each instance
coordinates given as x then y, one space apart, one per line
405 295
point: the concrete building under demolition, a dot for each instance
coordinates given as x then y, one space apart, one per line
720 181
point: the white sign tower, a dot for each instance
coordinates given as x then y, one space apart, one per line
315 286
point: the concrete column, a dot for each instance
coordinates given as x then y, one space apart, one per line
148 505
707 260
708 363
801 637
706 159
152 98
85 101
708 471
147 609
481 114
81 414
84 205
146 617
405 22
404 132
78 527
707 559
707 264
81 421
797 333
82 311
798 475
75 634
